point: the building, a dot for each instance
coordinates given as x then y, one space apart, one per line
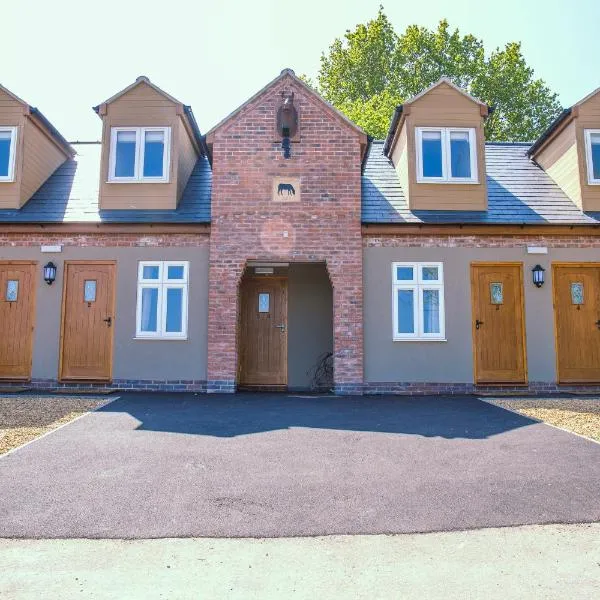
429 262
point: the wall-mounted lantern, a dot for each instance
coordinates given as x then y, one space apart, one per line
49 272
287 122
538 275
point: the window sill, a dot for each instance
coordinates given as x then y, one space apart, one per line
138 181
159 339
449 181
412 339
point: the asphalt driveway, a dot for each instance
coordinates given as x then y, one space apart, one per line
273 465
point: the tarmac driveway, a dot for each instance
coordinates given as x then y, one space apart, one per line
272 465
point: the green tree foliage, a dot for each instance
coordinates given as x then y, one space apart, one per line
373 69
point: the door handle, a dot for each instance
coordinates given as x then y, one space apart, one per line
598 323
281 327
108 321
478 323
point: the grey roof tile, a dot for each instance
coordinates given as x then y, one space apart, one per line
70 195
519 192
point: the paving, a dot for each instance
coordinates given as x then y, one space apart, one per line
535 561
268 465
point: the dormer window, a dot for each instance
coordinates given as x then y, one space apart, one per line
139 154
592 152
8 139
446 155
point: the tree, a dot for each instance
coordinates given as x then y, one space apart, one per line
372 70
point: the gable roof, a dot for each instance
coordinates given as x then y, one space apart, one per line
447 81
289 73
519 193
138 81
32 110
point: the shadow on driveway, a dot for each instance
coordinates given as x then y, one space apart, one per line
243 414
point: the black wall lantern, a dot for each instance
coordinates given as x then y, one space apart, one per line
287 122
49 273
538 275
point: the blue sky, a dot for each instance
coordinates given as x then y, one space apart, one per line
68 55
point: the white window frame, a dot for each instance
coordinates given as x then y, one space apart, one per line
162 284
588 156
138 176
446 155
418 285
10 177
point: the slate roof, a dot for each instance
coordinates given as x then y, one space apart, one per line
70 195
519 192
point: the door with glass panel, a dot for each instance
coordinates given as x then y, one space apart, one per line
87 321
498 323
577 321
17 305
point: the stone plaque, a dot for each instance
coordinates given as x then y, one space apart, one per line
286 189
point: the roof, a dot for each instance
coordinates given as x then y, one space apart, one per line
519 193
58 138
289 73
138 81
70 195
449 82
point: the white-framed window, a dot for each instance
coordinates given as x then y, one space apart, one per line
8 144
592 153
446 155
418 301
139 154
162 300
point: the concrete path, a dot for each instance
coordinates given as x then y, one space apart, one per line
149 466
550 562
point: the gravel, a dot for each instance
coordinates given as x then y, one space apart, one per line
24 418
580 415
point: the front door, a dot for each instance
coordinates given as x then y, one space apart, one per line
263 332
17 303
87 320
577 322
498 323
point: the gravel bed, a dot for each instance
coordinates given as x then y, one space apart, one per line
24 418
579 415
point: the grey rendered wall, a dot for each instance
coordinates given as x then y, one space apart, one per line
133 359
310 321
452 361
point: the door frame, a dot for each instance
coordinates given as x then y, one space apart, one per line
66 263
518 264
33 263
240 341
554 265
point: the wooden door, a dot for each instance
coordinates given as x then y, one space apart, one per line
87 321
577 322
263 332
498 323
17 306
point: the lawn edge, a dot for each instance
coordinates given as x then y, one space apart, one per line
85 414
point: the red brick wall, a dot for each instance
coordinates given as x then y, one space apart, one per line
104 240
480 241
248 225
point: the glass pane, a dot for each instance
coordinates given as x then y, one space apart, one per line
174 310
89 290
263 303
460 155
406 311
430 273
496 293
432 154
150 271
175 272
149 321
404 273
431 311
577 293
154 149
5 138
12 290
595 155
125 158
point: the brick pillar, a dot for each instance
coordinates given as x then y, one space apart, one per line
223 306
